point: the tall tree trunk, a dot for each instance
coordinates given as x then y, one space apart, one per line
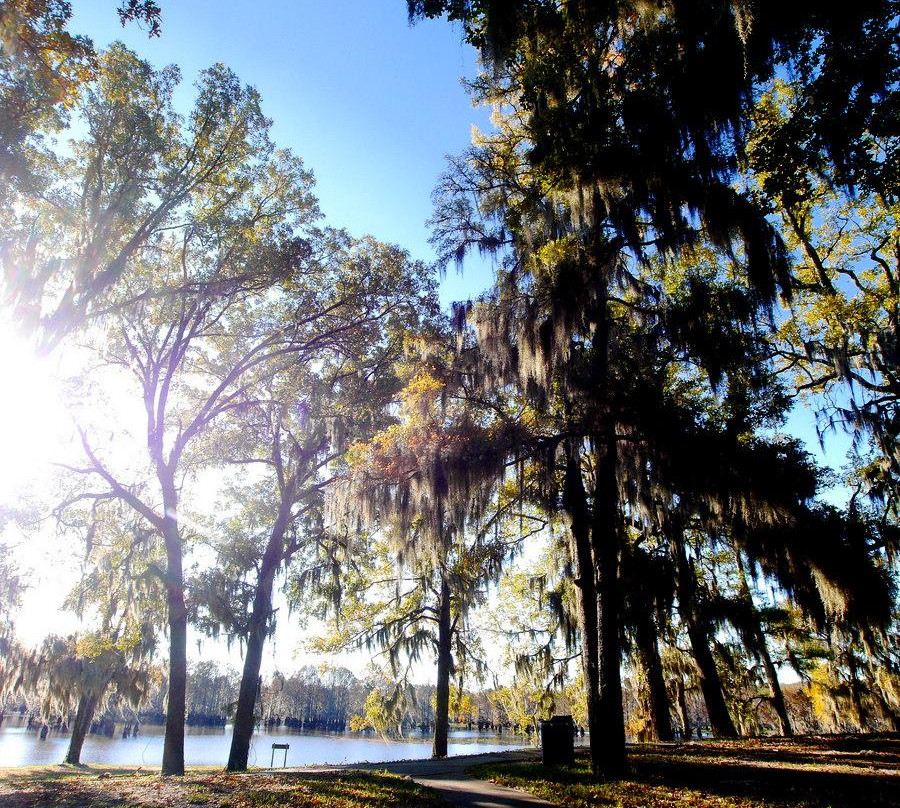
778 701
648 656
858 708
575 504
761 648
173 744
699 634
605 547
444 669
686 731
244 718
710 683
87 704
259 625
609 758
891 716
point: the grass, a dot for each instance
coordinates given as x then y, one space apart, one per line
113 787
813 772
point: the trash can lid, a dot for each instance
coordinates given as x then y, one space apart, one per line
560 720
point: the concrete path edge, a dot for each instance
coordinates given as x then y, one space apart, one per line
448 778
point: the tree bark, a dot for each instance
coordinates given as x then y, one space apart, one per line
710 683
605 547
173 744
858 708
778 702
686 731
244 717
84 714
699 634
575 504
648 656
444 669
608 755
761 648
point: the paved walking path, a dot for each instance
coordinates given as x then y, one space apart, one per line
448 777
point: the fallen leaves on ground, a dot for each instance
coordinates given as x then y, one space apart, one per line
71 787
811 772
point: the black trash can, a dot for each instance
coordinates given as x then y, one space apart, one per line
558 741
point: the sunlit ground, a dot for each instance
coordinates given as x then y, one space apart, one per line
837 771
110 788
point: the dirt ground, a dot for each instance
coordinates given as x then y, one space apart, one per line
106 787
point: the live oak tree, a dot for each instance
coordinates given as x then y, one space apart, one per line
290 431
538 331
193 253
419 483
140 176
838 346
630 128
121 599
269 522
754 498
43 70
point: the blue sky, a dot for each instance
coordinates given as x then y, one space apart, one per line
371 104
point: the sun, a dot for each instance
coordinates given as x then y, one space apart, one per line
34 425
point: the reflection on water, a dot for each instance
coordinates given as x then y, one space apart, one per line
209 746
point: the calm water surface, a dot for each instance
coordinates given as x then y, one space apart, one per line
209 746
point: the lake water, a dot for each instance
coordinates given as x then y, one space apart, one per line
209 746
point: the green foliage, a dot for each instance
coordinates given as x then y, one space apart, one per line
534 619
121 595
394 608
382 712
297 417
139 181
839 345
93 667
43 68
121 587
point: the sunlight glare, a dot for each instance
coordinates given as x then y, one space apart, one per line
34 425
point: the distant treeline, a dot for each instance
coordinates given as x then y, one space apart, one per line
329 699
312 699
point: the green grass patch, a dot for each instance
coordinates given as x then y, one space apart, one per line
804 773
109 787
